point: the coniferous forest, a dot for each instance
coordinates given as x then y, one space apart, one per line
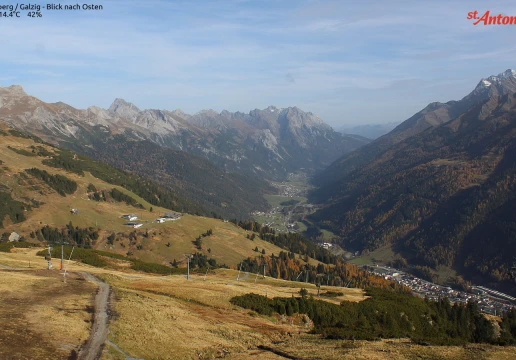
59 183
286 265
147 189
391 314
443 197
12 208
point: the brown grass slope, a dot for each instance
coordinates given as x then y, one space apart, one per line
228 244
168 317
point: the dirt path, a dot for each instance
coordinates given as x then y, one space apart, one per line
99 330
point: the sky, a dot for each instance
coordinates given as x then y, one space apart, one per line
349 62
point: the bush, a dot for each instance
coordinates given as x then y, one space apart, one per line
22 151
119 196
92 188
155 268
7 246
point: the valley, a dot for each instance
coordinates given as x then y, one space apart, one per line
221 161
60 200
438 190
289 207
304 180
289 196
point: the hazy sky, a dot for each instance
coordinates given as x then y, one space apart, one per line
348 62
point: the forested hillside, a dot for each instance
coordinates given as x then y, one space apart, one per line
145 188
31 157
433 115
437 195
220 192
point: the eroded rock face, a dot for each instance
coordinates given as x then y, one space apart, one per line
269 142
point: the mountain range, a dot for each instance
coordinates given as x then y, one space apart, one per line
431 116
221 160
440 187
269 143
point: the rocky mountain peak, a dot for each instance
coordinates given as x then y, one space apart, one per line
299 117
209 112
124 109
14 90
180 113
17 89
505 82
507 73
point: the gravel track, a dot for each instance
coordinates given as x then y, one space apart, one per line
99 330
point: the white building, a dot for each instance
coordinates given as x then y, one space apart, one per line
14 237
130 217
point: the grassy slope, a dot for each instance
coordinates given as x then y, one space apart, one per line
382 256
228 244
43 318
176 318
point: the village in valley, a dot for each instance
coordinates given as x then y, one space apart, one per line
489 301
288 205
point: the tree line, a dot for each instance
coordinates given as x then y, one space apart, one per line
390 314
288 266
12 208
81 237
332 270
59 183
114 194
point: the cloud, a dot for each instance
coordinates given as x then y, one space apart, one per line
241 55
